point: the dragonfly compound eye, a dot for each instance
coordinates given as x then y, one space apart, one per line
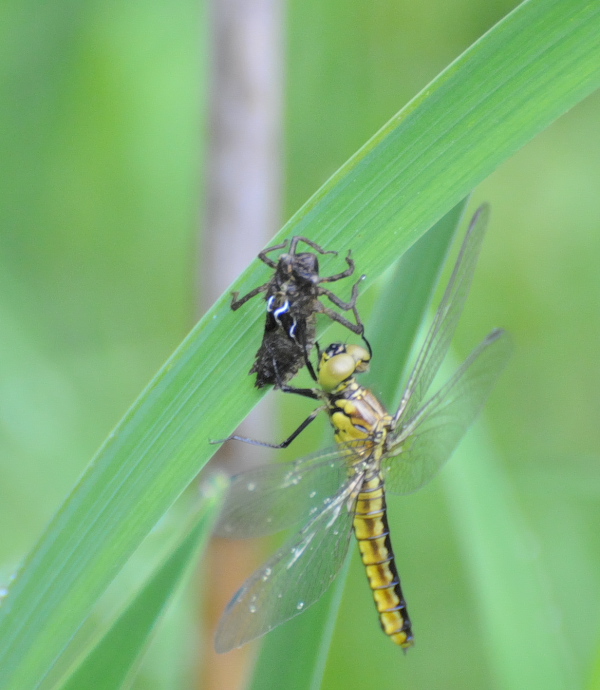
335 370
360 356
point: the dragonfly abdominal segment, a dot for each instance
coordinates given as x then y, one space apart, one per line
343 489
293 303
373 535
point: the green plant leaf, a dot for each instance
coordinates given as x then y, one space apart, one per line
110 662
512 589
533 66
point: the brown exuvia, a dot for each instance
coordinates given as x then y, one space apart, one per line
293 302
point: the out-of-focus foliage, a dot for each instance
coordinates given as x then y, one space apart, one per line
114 659
101 153
99 134
102 106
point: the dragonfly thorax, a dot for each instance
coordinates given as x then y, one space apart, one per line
357 416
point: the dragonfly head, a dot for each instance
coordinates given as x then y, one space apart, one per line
339 362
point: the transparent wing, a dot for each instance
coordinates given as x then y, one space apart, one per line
267 499
296 575
426 441
446 317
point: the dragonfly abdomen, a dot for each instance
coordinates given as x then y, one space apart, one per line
373 535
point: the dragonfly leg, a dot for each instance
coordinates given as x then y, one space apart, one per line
344 274
237 303
263 255
283 444
310 243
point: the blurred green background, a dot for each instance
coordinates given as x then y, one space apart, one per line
103 107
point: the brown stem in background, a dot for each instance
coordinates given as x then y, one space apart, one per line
243 208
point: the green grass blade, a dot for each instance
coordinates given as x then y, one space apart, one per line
536 64
525 645
594 680
111 661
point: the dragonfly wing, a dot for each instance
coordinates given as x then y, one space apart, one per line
425 443
295 576
446 317
267 499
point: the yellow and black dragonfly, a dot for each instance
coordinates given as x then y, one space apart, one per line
341 490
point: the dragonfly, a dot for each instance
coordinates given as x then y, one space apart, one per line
343 489
293 302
